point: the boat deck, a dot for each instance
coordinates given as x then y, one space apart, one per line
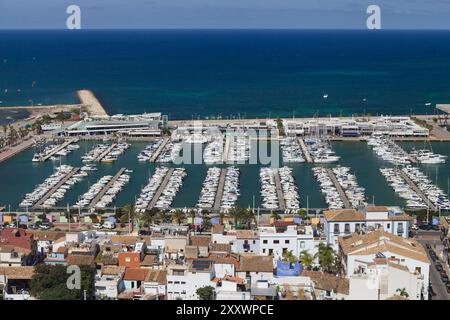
219 192
58 148
402 151
106 188
102 155
38 204
158 151
161 188
282 203
339 189
417 190
305 150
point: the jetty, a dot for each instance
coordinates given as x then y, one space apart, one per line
158 151
58 148
104 153
161 188
417 190
93 106
106 188
219 192
226 149
305 150
339 189
38 204
282 203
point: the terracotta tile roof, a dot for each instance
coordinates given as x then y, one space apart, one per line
130 240
253 263
80 260
221 247
224 259
149 260
11 248
135 274
201 241
230 278
326 281
377 209
191 252
247 234
158 276
381 241
343 215
48 235
17 272
112 270
218 228
17 237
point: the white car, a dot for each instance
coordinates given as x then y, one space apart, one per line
109 225
414 227
97 226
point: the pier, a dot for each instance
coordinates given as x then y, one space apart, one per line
219 192
226 149
339 189
103 154
58 148
403 152
88 99
417 190
161 188
38 205
158 151
282 203
305 150
106 188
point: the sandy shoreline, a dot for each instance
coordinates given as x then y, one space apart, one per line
92 104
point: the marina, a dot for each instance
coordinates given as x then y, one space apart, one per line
229 192
279 189
109 189
58 149
305 150
169 188
209 192
156 154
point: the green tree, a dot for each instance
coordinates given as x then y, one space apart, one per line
236 213
205 293
306 259
247 217
289 257
148 217
275 215
50 283
325 255
179 216
402 292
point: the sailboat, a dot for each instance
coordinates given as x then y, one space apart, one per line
325 95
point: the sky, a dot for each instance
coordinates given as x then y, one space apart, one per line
179 14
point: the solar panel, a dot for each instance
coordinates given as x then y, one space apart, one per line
201 264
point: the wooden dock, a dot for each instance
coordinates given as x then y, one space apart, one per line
158 151
38 204
418 191
339 189
160 189
305 150
58 148
282 203
106 188
219 192
104 153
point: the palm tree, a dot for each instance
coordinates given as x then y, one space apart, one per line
127 213
325 255
306 259
206 222
192 215
275 215
163 216
289 257
402 292
179 216
148 217
248 216
221 217
236 213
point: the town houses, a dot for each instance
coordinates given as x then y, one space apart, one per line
363 253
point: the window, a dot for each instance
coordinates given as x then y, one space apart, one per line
265 241
357 228
388 226
347 228
336 228
302 244
264 251
270 252
183 282
286 241
254 241
245 241
127 259
276 241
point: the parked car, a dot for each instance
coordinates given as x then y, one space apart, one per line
23 226
45 225
33 226
97 226
415 227
109 225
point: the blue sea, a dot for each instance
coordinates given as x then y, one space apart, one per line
229 73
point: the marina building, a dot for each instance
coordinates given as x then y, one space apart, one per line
344 222
147 124
395 126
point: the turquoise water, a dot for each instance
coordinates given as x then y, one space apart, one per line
19 175
246 73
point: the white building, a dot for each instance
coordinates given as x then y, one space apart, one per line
277 241
383 279
247 241
344 222
184 280
109 282
359 250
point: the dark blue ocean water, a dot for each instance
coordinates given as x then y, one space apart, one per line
251 73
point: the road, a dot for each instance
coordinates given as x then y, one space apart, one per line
431 237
